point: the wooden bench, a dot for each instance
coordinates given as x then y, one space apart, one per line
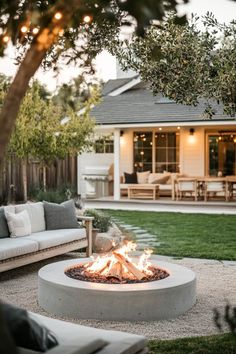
143 191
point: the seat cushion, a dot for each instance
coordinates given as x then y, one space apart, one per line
119 342
51 238
13 247
36 215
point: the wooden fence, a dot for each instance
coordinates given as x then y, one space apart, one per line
59 173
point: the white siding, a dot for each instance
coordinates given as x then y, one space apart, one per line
126 152
192 152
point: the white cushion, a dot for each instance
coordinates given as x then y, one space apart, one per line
120 342
155 176
142 177
51 238
9 208
36 214
13 247
18 224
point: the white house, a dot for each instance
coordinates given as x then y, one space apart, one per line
145 132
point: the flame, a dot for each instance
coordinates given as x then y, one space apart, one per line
103 264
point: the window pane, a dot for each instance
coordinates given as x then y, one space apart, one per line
167 152
142 151
222 154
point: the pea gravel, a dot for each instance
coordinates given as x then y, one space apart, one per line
216 285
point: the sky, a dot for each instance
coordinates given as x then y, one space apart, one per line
224 11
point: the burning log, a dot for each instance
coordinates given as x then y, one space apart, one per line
130 266
115 271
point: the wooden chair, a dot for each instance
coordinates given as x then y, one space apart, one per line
215 186
231 186
186 185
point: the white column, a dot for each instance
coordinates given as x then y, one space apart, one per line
117 164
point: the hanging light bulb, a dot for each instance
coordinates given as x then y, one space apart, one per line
87 19
24 29
35 30
58 16
5 38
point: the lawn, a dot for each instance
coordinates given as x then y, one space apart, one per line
186 235
221 344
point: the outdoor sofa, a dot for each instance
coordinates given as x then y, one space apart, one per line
165 181
42 242
77 339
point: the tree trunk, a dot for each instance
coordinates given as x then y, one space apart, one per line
31 62
44 178
24 179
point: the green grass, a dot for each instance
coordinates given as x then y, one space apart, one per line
221 344
187 235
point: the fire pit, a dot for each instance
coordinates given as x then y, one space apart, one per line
118 268
117 287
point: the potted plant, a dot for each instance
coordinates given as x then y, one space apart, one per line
101 222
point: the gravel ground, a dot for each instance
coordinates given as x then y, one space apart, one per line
215 286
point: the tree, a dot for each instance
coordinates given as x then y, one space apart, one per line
42 132
186 64
49 29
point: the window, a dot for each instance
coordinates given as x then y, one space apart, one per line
143 151
222 154
167 152
104 145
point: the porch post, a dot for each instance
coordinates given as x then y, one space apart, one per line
117 164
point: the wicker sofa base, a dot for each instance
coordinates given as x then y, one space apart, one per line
33 257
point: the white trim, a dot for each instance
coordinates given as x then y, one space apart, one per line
165 124
125 87
117 164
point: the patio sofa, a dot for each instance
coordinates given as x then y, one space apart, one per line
42 242
77 339
165 181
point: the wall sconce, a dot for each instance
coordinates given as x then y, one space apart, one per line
191 131
121 133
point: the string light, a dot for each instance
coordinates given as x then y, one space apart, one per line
58 15
24 29
5 38
87 19
35 30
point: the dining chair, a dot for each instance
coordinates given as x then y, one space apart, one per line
185 186
214 187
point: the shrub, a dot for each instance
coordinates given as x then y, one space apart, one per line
100 221
53 195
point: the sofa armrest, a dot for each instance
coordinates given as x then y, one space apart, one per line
88 222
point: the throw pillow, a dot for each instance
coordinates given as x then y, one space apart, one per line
19 224
36 214
26 332
130 177
143 177
162 180
60 216
4 231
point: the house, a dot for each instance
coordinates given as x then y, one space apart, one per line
137 131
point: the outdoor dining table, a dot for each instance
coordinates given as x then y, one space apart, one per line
204 182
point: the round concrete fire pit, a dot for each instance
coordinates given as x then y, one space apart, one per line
156 300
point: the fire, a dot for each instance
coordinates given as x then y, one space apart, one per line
119 264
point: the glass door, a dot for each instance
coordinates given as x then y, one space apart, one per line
222 154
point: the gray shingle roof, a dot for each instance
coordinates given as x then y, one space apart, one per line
112 85
138 105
